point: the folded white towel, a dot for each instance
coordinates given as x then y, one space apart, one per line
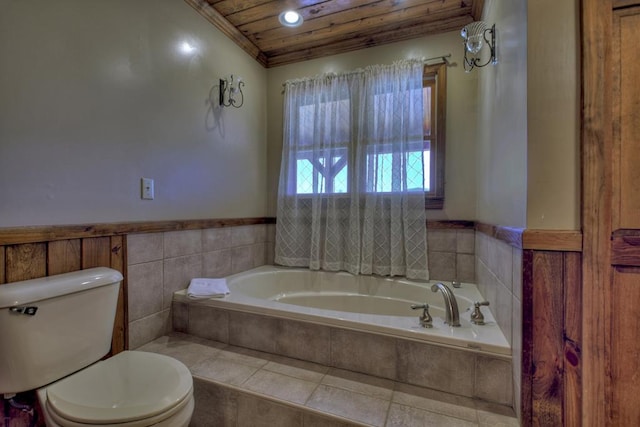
201 288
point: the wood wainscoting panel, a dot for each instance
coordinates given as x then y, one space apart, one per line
552 240
118 262
64 256
24 262
526 399
551 340
572 338
96 252
547 356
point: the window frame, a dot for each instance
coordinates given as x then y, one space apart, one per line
435 76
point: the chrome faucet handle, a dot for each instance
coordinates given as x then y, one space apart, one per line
477 318
456 283
425 317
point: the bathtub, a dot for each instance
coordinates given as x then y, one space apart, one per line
362 303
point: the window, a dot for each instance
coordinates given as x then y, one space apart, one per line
328 171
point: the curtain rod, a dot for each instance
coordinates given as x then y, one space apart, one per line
359 70
443 57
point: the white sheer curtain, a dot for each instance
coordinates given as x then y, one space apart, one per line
351 192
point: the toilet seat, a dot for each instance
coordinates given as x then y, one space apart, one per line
178 416
130 389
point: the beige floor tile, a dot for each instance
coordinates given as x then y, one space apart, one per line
491 414
406 416
488 419
280 386
245 356
297 368
188 350
350 405
435 401
223 370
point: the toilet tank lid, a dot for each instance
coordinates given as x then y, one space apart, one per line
29 291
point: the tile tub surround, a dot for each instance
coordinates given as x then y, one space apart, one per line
467 373
451 254
160 263
499 273
240 387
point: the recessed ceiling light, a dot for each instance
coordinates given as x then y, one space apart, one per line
290 18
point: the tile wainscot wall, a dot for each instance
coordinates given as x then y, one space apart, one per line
161 263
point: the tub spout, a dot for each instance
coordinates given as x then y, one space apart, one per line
450 304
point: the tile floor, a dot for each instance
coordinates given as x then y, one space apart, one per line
353 398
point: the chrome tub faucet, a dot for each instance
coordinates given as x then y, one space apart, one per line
450 304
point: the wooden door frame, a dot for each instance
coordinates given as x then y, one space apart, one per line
597 140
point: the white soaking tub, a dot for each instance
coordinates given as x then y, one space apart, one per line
363 303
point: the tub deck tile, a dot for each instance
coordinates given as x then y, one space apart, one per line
297 369
188 349
230 382
359 383
435 401
280 386
225 371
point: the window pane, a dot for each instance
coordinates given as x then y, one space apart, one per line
427 101
324 124
317 175
382 166
427 170
383 177
304 177
341 177
415 171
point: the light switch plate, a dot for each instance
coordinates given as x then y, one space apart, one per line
147 189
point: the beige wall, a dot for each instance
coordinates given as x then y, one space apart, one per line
461 113
96 95
553 200
502 120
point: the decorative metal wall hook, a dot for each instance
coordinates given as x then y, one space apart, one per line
231 92
475 36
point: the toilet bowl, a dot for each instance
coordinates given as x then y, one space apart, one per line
130 389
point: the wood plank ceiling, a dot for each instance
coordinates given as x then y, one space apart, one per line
331 26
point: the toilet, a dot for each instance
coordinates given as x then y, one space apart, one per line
54 332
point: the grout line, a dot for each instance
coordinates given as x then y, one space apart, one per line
386 418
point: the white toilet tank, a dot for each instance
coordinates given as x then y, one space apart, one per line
54 326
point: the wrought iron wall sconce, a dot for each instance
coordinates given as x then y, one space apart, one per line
231 92
475 36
